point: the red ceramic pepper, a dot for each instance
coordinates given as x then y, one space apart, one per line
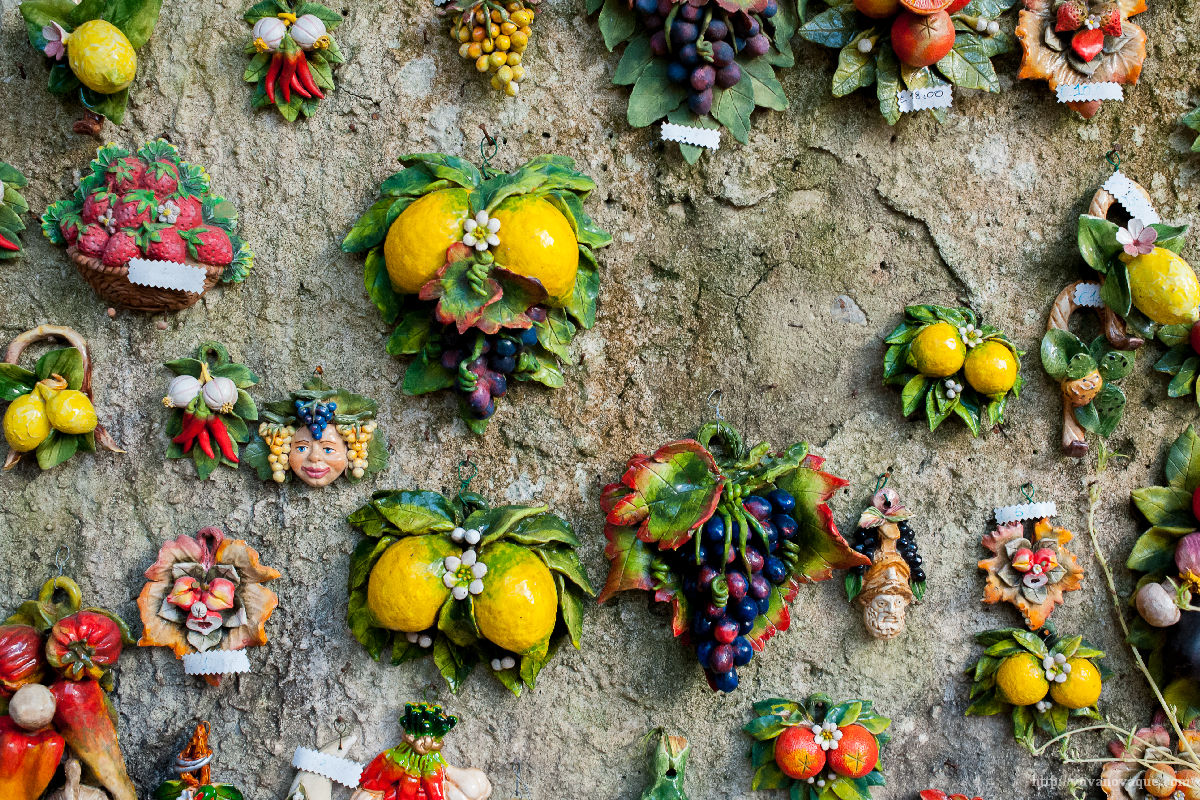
87 720
28 760
20 658
84 644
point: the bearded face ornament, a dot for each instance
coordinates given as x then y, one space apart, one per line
895 578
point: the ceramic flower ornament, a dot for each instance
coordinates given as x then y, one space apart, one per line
1032 572
1150 766
92 50
318 435
205 599
1072 42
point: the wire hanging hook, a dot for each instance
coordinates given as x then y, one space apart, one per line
1027 491
517 778
881 482
486 141
714 402
1113 157
341 728
464 483
61 555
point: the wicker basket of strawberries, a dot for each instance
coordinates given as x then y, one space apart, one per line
154 210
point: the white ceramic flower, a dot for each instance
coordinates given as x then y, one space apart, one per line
971 335
1056 668
481 231
508 662
168 212
1138 239
1043 706
56 41
464 574
422 640
827 735
953 388
108 220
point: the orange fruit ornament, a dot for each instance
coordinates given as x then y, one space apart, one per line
926 6
921 40
857 752
877 9
798 754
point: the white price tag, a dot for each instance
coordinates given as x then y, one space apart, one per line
687 134
1131 198
923 99
1087 92
166 275
343 770
1087 295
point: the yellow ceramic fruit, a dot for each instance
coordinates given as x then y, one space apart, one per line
937 351
416 243
406 588
70 411
1164 287
101 56
991 368
518 607
1082 687
1021 680
25 423
537 241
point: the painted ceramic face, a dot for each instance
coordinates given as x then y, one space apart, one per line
318 463
884 615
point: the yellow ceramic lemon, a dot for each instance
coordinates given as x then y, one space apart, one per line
1082 687
416 244
25 423
937 351
70 411
518 607
406 588
991 368
1021 680
1164 287
101 56
537 241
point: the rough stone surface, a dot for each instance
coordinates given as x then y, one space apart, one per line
728 274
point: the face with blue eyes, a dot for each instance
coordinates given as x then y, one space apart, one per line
318 462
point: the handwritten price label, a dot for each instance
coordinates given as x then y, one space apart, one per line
687 134
923 99
1087 92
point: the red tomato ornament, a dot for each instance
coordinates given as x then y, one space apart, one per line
20 658
921 40
84 644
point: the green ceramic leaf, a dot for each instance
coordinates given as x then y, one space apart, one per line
571 607
365 554
425 374
769 776
968 64
66 362
617 22
1172 335
413 181
634 61
455 620
555 334
1183 462
1113 364
494 523
1080 366
543 529
379 286
455 663
1058 348
673 492
1164 505
1110 407
415 512
767 726
535 366
732 108
653 95
1152 552
834 27
456 170
1097 239
1088 417
913 395
1170 237
1181 384
887 83
1173 359
821 548
15 381
370 229
855 69
564 561
411 335
1115 292
56 449
587 290
765 87
629 561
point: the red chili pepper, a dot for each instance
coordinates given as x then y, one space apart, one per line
206 443
6 244
221 434
272 74
285 78
86 719
192 425
306 78
296 84
434 785
28 760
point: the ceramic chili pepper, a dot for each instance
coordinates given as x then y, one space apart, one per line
30 748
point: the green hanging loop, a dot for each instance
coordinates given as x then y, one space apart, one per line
881 482
1027 490
487 139
1113 157
464 483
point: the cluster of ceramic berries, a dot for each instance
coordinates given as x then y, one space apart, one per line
701 42
500 357
494 36
866 541
730 592
358 438
141 212
279 440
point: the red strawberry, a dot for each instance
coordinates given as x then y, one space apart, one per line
166 245
96 204
161 177
69 226
136 208
93 240
1087 44
210 246
1071 15
121 247
191 212
1110 21
125 174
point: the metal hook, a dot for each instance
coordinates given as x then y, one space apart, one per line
881 482
715 405
429 687
1113 157
487 139
1027 490
341 728
464 483
517 777
60 557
